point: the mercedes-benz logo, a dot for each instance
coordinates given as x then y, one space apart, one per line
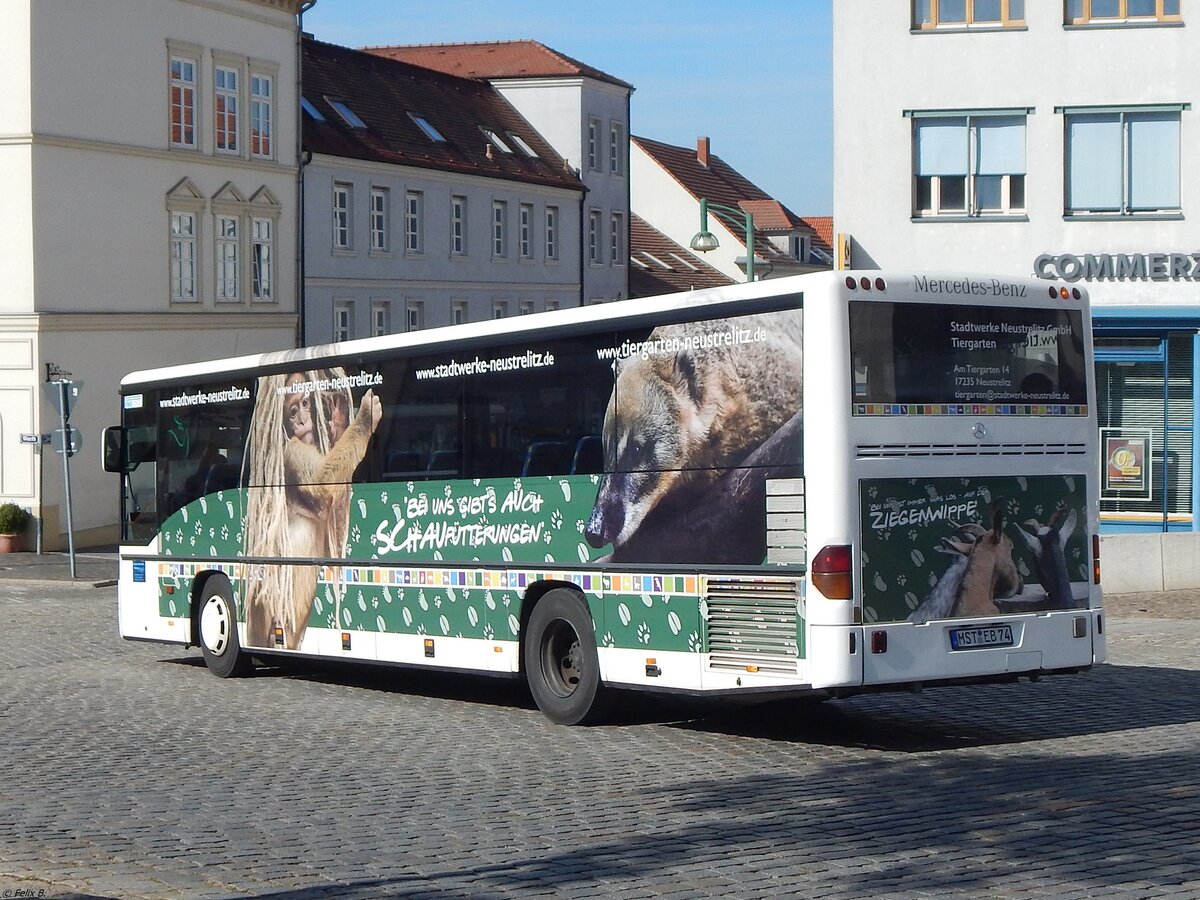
979 430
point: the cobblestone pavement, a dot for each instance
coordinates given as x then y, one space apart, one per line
129 771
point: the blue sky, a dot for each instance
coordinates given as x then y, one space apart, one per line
755 77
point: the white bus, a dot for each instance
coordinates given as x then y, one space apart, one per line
820 485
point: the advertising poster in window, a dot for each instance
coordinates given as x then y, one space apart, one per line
1127 463
930 359
977 547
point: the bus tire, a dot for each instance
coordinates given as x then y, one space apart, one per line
561 664
216 630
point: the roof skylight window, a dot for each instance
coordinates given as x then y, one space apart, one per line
346 113
685 262
524 147
430 132
654 259
496 139
312 111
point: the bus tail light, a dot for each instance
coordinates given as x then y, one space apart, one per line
831 572
1095 559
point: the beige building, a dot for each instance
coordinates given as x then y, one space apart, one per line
147 214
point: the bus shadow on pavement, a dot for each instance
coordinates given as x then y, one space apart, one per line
1108 699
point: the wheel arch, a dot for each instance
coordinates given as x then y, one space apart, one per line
198 584
533 594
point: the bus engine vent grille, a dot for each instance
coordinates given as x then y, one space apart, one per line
752 624
910 450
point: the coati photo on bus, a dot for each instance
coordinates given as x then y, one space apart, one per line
815 486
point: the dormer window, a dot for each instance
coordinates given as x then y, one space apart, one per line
496 140
346 113
430 132
311 111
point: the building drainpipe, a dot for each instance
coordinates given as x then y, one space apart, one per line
301 162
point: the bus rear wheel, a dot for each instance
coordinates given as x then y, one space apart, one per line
217 630
561 664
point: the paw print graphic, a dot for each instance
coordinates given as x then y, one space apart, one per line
556 520
383 497
694 642
643 633
607 640
448 491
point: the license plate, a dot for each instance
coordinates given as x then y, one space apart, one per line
981 636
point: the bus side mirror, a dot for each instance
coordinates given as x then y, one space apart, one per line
112 449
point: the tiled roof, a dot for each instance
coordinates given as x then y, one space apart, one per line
383 93
657 265
495 59
823 226
719 182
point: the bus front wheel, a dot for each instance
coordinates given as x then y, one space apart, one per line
561 664
217 630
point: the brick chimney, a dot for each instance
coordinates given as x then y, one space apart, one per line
702 151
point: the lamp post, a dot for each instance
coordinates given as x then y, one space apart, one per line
705 240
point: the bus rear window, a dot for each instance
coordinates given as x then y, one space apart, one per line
928 358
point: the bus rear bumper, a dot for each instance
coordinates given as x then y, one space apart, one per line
949 650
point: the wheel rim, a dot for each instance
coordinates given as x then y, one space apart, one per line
214 626
562 658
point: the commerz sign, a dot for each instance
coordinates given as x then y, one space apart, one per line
1119 267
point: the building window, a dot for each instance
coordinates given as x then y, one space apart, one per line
1104 12
262 247
969 165
962 13
458 313
616 240
226 109
526 221
499 237
228 259
311 111
342 199
616 135
413 315
523 144
427 129
551 305
458 225
414 236
499 309
496 140
183 102
183 257
525 308
1122 162
343 320
260 115
349 116
551 232
379 220
380 310
594 236
593 144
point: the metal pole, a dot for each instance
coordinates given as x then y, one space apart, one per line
63 391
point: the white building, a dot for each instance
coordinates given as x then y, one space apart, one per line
1049 138
428 201
583 113
147 208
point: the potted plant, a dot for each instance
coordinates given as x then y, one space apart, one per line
13 520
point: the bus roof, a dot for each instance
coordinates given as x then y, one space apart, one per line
615 313
431 339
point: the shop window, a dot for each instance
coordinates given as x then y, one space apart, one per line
1144 389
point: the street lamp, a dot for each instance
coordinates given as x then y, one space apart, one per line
705 240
